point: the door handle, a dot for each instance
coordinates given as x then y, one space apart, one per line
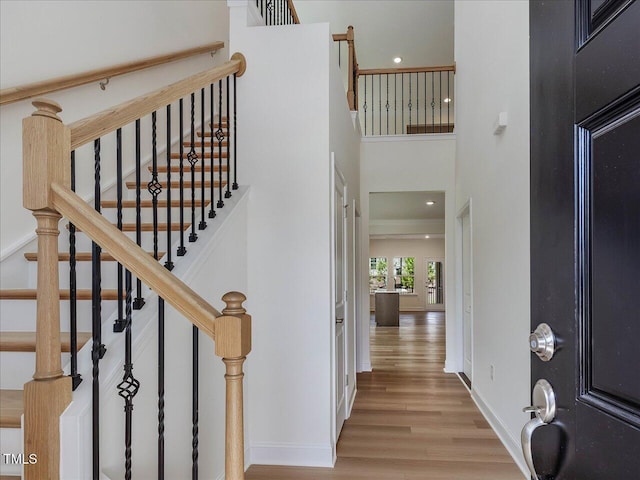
544 406
339 320
542 342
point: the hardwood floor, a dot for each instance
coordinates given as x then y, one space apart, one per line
410 421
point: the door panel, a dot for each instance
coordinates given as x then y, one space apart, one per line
466 295
585 232
340 299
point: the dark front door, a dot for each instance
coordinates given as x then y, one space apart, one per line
585 234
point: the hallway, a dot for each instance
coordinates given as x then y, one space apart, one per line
410 420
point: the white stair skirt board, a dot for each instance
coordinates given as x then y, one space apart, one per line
292 454
511 444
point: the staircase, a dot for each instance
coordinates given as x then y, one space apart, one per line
179 201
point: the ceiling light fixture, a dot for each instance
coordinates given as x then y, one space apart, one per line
426 236
397 59
431 202
447 100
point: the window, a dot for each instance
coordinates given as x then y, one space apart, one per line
377 274
434 283
403 274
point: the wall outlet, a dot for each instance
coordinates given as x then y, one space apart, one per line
491 371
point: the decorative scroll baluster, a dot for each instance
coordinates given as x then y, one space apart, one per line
98 349
235 136
181 249
402 118
449 102
220 137
138 303
195 382
417 99
160 389
380 104
168 263
203 224
76 378
387 104
212 212
119 323
433 100
128 387
154 186
227 194
192 157
364 105
409 105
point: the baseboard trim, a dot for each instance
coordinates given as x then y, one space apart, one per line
292 454
511 444
364 367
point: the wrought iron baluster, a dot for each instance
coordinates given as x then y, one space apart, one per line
154 185
235 136
160 389
395 103
98 349
195 383
181 249
192 157
449 102
380 104
203 224
227 194
128 387
220 137
433 102
364 106
387 104
440 103
76 378
417 102
402 118
212 212
426 120
168 263
118 325
138 303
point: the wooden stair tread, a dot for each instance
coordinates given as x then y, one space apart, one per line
26 341
162 203
30 294
148 227
208 134
198 144
11 408
207 154
176 184
81 257
10 477
187 169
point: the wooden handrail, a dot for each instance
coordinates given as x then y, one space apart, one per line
382 71
14 94
128 253
88 129
294 14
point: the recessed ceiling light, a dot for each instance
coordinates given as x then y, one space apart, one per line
447 100
431 202
426 236
397 59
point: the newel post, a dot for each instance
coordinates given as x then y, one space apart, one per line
233 344
46 144
351 96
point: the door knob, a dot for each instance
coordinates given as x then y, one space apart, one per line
544 406
339 320
542 342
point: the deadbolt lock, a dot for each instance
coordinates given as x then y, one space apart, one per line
542 342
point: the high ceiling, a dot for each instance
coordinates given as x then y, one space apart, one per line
406 206
419 31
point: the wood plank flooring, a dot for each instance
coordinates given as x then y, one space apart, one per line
410 421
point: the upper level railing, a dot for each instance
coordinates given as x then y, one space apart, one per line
398 101
56 166
14 94
278 12
405 101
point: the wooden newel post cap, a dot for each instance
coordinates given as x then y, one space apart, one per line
234 301
46 108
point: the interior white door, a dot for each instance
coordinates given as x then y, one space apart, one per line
466 294
339 219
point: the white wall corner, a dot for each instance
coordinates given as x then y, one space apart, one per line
450 367
364 367
252 15
511 444
292 454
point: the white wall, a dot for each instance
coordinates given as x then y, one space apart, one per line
421 250
413 164
40 40
284 110
491 45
